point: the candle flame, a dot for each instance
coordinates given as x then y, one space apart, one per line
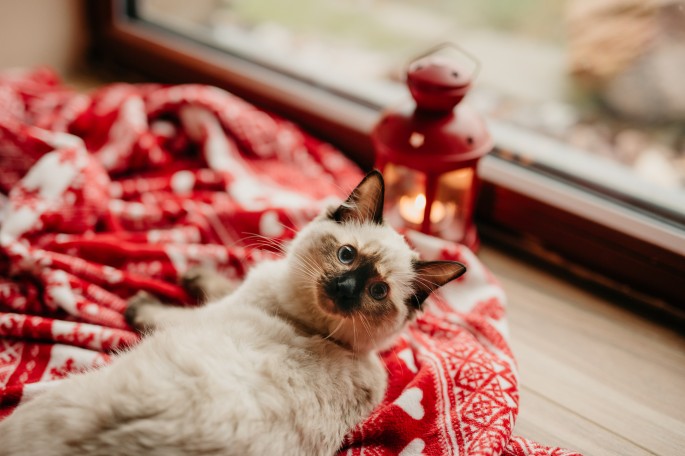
412 209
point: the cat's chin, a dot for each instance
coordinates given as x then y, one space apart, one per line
329 308
350 328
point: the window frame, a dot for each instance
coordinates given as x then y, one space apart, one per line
580 231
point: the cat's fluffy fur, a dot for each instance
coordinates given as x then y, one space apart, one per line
286 364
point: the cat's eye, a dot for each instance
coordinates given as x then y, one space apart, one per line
347 254
378 290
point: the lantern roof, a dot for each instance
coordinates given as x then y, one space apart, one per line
438 84
436 133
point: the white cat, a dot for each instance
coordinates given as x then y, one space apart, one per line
285 365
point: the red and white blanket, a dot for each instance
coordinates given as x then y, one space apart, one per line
124 189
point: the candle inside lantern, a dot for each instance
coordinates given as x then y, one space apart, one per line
413 207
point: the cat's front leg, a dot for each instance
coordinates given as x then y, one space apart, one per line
145 312
207 284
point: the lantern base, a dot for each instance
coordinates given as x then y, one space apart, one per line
471 240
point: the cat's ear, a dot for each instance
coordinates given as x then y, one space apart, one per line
365 203
431 275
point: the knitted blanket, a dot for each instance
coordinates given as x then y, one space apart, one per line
124 189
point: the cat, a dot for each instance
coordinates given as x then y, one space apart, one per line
286 364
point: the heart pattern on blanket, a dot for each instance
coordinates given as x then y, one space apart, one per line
407 356
410 402
414 448
270 225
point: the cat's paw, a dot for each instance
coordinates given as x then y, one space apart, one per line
194 281
205 284
137 311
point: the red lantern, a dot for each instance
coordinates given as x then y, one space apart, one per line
429 150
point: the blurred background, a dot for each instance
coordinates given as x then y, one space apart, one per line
604 76
589 92
39 32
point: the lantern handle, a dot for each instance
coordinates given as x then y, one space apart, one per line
449 44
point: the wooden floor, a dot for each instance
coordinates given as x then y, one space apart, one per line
595 376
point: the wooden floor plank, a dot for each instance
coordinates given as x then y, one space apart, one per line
548 423
520 280
611 353
587 395
641 378
591 358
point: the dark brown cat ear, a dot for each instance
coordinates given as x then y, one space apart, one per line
431 275
365 203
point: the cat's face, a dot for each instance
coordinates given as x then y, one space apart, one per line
356 279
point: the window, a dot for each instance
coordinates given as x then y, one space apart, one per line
588 127
359 49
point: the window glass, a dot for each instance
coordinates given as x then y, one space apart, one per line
586 90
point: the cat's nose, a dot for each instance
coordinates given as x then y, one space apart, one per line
346 287
345 291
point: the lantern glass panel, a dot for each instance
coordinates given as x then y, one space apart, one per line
451 212
406 200
403 190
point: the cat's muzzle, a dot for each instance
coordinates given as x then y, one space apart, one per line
345 291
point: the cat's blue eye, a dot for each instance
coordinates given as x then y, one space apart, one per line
347 254
379 290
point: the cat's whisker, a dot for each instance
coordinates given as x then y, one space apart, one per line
304 260
307 273
315 270
343 191
399 363
365 324
308 265
335 330
289 228
261 241
367 327
354 332
425 281
304 272
268 248
271 240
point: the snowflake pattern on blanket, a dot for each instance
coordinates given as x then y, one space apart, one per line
124 189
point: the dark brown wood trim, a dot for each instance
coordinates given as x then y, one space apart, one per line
588 250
